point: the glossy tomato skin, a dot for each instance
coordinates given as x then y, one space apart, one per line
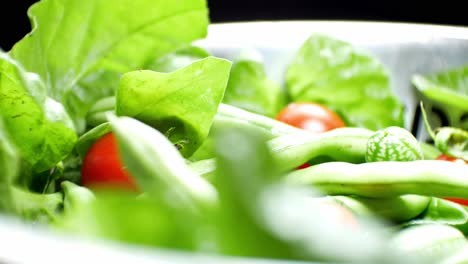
102 167
457 160
312 117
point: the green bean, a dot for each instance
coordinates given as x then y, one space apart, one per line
442 211
291 151
432 242
395 209
245 122
157 164
343 144
272 126
387 178
223 121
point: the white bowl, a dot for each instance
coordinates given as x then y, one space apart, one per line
404 48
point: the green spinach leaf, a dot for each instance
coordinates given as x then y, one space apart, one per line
445 212
354 84
178 59
158 166
36 207
276 220
181 104
449 87
250 88
39 126
448 90
9 165
80 47
18 201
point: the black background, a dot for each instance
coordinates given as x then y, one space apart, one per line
15 24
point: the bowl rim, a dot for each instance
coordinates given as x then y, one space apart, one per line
360 32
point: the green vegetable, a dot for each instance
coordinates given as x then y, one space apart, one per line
343 144
75 197
430 242
214 178
236 118
292 146
276 220
441 211
452 141
449 140
38 126
178 59
181 104
349 81
205 168
430 152
9 166
386 178
393 144
148 219
19 201
80 48
35 207
292 150
272 127
395 209
449 90
158 166
145 220
250 88
90 137
97 113
244 168
227 116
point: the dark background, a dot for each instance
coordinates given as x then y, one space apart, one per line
15 24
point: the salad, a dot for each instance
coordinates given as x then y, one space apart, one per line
114 125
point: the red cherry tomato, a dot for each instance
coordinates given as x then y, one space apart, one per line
457 160
102 167
312 117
